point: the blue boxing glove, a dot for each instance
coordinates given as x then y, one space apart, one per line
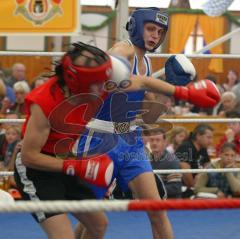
179 70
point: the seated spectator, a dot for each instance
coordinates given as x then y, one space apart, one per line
163 159
168 103
160 159
11 181
232 80
228 103
2 74
193 154
7 96
21 89
12 137
39 80
236 90
10 116
9 147
221 184
232 134
18 73
175 138
2 89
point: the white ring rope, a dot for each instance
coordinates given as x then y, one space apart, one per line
226 56
169 171
200 120
170 120
65 206
40 53
202 170
31 53
12 120
116 205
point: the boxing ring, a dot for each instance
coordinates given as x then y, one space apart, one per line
212 224
199 218
191 219
190 224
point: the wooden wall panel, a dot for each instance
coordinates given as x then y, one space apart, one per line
34 64
219 128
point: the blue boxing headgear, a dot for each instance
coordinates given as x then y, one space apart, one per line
139 17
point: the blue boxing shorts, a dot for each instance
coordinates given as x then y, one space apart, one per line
126 150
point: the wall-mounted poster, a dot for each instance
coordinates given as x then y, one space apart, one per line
39 16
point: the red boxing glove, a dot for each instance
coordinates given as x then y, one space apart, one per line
97 170
202 94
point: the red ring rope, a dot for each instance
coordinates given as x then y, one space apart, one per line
197 204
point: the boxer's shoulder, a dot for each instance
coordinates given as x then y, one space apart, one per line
124 49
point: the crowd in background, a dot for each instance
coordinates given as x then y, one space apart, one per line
177 148
13 88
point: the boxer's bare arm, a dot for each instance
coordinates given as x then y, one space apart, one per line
35 137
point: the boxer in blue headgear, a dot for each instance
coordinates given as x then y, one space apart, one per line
147 28
139 18
114 131
132 168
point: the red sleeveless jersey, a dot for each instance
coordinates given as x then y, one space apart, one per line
67 116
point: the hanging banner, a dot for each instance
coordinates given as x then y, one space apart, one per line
39 16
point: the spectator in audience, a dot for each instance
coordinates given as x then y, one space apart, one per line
7 160
21 89
232 134
2 89
4 126
12 137
221 184
2 74
168 103
10 115
18 74
39 80
193 154
163 159
7 95
232 80
175 138
236 90
228 103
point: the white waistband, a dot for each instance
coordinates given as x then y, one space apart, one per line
103 126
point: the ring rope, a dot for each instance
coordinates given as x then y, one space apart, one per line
162 120
30 53
40 53
200 120
117 205
202 170
169 171
12 120
226 56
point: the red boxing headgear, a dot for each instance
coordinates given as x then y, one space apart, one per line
80 78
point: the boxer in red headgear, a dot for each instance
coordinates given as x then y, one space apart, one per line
57 113
95 68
